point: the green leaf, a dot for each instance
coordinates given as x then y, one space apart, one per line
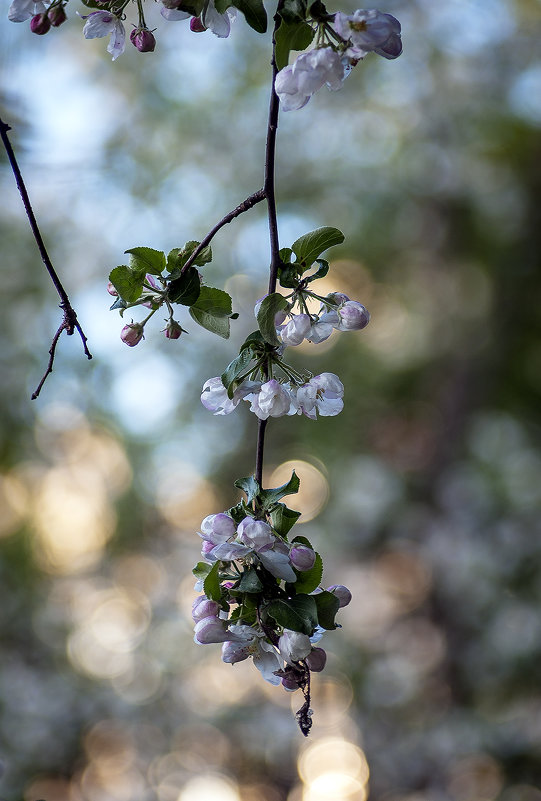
254 12
270 305
289 276
291 36
128 284
253 340
293 11
238 512
321 272
309 580
201 570
270 496
327 606
319 12
212 310
211 585
186 288
250 486
234 369
309 246
147 260
283 519
250 581
298 613
119 304
177 258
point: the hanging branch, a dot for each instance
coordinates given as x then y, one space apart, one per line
69 320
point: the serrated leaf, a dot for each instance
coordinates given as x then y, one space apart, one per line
216 325
202 258
309 580
271 496
235 369
254 12
268 309
186 288
309 246
327 606
201 570
212 310
250 486
238 512
147 260
291 36
298 613
283 519
250 581
128 284
211 585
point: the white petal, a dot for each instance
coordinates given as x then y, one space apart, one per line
98 24
117 42
219 24
173 14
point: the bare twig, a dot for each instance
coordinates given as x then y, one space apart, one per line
69 322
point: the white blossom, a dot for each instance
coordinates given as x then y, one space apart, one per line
103 23
245 642
21 10
255 533
214 396
323 394
294 332
294 646
272 400
353 316
296 84
219 24
369 31
217 528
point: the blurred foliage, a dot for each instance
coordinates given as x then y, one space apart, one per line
424 494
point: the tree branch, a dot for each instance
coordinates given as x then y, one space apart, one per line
69 322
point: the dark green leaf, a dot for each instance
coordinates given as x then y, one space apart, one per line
270 496
211 585
309 246
212 310
234 369
253 339
270 305
250 486
254 12
285 255
298 613
147 260
327 606
250 581
318 12
186 288
309 580
201 570
289 276
291 36
128 284
238 512
283 519
321 272
119 304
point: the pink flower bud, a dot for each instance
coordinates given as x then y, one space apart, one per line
40 24
206 548
210 629
353 316
255 533
316 660
111 290
143 40
173 330
204 607
341 592
132 334
302 557
56 15
289 684
196 25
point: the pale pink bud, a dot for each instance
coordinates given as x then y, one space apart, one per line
40 24
210 629
294 646
143 40
111 290
132 334
196 25
353 316
206 548
302 557
295 331
217 528
341 592
235 651
203 607
316 660
289 684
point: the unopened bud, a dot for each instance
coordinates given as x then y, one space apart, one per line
111 290
173 330
302 557
316 660
341 592
40 24
56 15
196 25
143 40
132 334
289 684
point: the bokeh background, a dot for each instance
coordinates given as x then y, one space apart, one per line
424 495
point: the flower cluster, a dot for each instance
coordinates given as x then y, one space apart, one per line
341 45
109 21
262 597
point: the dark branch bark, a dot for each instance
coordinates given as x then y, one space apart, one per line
69 322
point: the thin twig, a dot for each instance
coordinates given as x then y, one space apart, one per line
69 322
247 204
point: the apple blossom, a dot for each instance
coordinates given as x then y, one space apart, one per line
210 629
302 557
369 31
255 533
21 10
217 528
247 641
272 400
296 84
104 23
203 607
341 592
323 394
294 646
294 332
132 334
353 316
277 564
173 330
145 42
57 15
316 660
214 396
40 24
219 24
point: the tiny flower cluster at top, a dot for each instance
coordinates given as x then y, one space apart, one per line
342 41
262 597
109 20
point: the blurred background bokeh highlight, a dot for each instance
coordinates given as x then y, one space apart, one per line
424 495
